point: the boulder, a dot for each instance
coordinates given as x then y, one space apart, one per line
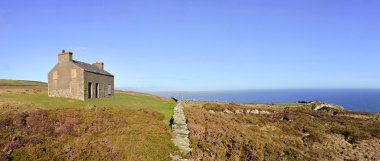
227 111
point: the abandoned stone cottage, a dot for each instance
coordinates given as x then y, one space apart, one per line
74 79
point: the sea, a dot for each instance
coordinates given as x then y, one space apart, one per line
364 100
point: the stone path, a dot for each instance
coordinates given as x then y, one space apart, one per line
180 130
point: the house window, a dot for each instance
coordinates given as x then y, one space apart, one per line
109 90
73 73
55 75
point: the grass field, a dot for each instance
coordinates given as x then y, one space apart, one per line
128 126
9 82
120 100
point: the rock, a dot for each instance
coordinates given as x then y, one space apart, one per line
211 111
327 107
286 118
264 112
227 111
255 111
238 112
178 158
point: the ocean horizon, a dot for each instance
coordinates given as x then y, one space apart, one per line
365 100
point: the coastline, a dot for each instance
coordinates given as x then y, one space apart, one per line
365 100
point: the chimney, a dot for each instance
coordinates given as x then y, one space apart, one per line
65 56
99 65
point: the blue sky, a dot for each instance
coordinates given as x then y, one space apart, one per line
164 45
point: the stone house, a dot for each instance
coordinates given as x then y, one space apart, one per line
74 79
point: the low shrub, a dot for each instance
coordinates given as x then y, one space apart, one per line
305 134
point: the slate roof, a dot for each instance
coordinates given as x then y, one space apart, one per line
91 68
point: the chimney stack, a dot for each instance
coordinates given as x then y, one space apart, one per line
99 65
65 56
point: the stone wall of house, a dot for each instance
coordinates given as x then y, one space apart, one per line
66 80
104 82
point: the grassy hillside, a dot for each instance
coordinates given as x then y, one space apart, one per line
128 126
9 82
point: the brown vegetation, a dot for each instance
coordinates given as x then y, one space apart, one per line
286 134
83 134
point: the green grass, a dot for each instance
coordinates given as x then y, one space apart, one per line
9 82
120 100
286 104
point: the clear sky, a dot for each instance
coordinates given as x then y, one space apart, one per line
190 45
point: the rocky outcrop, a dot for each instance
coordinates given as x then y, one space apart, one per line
326 106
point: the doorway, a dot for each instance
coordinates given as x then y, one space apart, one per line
89 90
96 90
